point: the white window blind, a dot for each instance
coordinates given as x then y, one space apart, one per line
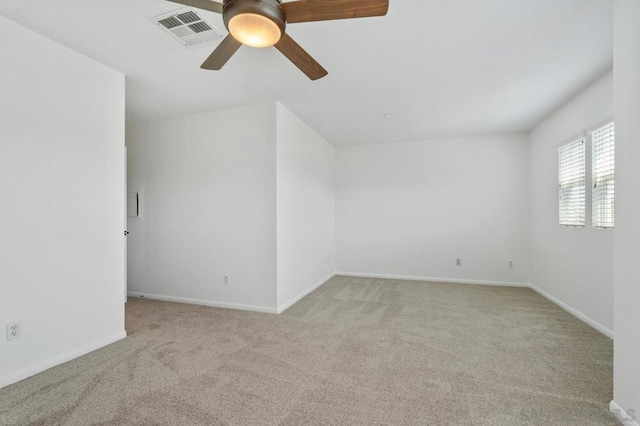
572 185
604 184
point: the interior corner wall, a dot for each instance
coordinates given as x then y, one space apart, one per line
627 237
306 208
62 190
572 265
411 209
207 185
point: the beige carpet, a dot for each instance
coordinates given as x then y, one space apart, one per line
354 352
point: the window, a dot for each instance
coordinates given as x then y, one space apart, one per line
572 188
604 185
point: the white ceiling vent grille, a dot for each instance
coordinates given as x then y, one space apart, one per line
188 27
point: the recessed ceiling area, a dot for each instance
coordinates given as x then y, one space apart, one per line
441 67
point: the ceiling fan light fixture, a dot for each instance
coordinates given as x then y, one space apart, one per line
254 30
255 23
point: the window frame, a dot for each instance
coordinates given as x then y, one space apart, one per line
591 164
584 135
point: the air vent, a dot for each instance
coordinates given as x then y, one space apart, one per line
189 17
170 23
188 27
200 27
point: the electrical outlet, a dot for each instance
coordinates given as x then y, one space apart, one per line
226 280
458 262
511 264
14 331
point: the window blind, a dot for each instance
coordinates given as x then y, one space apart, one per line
604 184
572 183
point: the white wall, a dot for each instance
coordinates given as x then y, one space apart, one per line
410 209
306 208
573 265
627 238
208 185
62 192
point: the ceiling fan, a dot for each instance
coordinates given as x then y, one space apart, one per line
262 23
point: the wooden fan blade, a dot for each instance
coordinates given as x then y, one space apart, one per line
324 10
222 54
300 58
209 5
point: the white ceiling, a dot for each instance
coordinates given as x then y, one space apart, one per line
441 67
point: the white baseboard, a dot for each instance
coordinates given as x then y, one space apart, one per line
593 323
626 417
60 359
433 279
601 328
295 300
211 303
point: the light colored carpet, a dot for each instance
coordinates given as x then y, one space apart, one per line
355 351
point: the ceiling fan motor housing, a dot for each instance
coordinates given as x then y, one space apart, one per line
270 9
